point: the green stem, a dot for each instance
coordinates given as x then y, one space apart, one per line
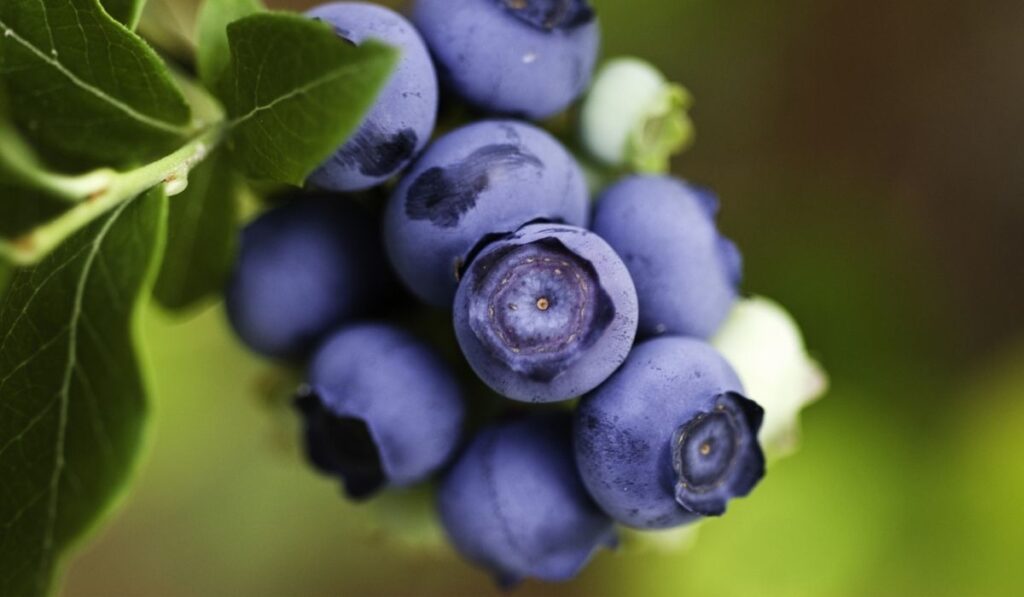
70 188
19 162
99 191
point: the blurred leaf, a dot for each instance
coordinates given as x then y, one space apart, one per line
170 26
80 83
21 166
202 228
125 11
31 193
295 91
22 209
73 393
18 161
212 31
5 276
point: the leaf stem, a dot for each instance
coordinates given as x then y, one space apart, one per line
104 189
19 161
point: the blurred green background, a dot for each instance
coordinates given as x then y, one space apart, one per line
870 160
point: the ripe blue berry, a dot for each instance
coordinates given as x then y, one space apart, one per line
382 409
686 273
513 503
546 314
528 58
402 119
304 268
478 182
669 437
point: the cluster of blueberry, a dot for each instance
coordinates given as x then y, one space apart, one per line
552 299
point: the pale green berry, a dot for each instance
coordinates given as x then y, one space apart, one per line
765 347
633 117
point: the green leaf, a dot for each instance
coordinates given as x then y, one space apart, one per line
202 228
80 83
21 209
72 391
214 55
295 91
18 161
125 11
169 25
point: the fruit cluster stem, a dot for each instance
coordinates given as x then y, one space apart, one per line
102 190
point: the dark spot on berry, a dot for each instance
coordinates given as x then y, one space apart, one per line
344 34
376 153
550 15
443 195
619 448
342 446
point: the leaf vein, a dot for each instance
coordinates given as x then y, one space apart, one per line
31 424
46 23
32 357
92 89
298 91
99 428
35 292
64 393
25 508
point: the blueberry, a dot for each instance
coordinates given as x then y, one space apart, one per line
527 58
381 409
513 503
476 183
303 268
546 314
402 119
669 438
686 273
